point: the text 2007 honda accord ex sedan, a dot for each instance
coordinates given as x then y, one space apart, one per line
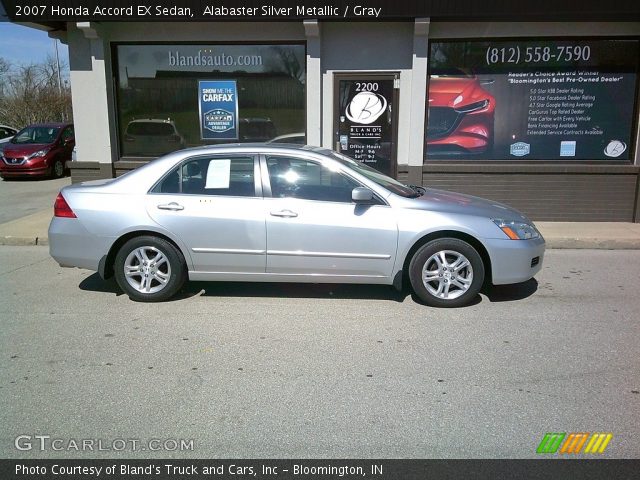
287 213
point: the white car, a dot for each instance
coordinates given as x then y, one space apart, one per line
152 137
6 134
298 138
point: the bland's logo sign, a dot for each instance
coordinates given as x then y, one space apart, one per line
520 149
366 107
615 148
218 100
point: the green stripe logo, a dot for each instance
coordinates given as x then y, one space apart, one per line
551 442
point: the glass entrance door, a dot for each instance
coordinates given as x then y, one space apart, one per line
366 119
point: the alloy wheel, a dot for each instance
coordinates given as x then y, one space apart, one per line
447 274
147 269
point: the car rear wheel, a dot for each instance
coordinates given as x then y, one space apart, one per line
57 169
150 269
446 272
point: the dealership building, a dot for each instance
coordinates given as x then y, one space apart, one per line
534 111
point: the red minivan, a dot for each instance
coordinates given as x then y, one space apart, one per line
38 150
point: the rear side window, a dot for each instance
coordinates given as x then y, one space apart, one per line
230 176
150 128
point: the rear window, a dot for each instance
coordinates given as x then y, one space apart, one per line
150 128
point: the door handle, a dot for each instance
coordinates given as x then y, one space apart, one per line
173 206
284 214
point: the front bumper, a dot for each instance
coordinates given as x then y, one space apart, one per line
23 171
514 261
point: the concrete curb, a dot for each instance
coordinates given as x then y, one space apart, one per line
24 241
591 243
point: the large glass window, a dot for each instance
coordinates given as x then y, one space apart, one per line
176 96
544 99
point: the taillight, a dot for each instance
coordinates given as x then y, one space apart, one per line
62 209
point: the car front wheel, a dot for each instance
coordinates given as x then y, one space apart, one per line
149 269
446 272
57 169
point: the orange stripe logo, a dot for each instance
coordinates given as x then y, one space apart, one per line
573 443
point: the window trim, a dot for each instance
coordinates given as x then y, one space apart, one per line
257 183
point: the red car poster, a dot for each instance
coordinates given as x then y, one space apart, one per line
534 99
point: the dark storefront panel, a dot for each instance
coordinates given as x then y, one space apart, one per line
539 99
544 192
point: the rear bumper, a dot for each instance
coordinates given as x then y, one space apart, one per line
71 245
514 261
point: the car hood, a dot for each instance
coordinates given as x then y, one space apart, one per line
443 91
451 202
15 150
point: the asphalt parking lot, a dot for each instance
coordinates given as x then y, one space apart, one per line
290 371
27 196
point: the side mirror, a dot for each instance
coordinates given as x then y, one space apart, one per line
361 195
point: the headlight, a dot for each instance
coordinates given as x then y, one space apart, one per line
473 107
517 230
39 153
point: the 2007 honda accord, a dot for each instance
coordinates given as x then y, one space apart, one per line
287 213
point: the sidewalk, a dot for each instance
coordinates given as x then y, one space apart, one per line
32 230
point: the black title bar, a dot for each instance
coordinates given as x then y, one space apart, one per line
319 469
368 10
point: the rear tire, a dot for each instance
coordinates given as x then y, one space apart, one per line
150 269
446 272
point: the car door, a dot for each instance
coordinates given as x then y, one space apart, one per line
67 142
215 206
314 228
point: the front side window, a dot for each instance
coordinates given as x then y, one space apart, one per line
67 133
231 176
298 178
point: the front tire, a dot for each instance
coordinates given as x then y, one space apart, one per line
150 269
57 169
446 272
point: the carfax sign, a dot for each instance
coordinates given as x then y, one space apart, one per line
218 102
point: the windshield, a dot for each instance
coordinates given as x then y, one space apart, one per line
36 135
381 179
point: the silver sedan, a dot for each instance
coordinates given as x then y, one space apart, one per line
286 213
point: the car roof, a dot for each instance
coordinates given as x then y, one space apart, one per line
262 146
50 125
151 120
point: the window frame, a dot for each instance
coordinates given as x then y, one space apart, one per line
257 183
